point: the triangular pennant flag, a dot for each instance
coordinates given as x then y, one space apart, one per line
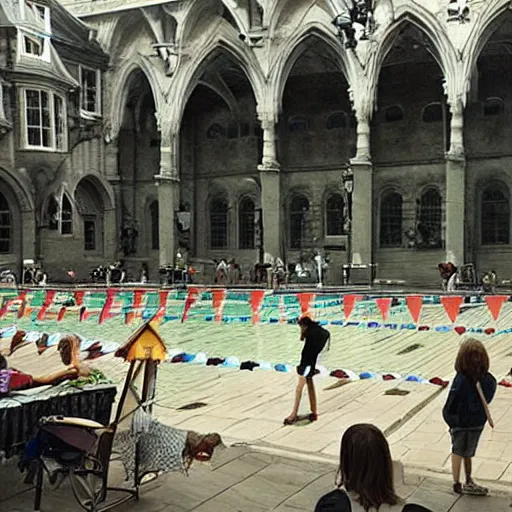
256 301
452 306
46 304
108 304
61 314
305 300
384 303
349 303
495 303
162 308
191 298
136 304
79 297
415 304
218 297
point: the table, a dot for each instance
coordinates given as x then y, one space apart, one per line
20 414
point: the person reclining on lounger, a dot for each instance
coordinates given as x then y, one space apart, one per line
19 380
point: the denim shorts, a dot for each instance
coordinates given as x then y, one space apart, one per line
464 442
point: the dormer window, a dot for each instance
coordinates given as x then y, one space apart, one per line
33 45
38 14
90 96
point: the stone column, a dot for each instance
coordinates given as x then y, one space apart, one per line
362 197
113 221
455 187
270 178
168 202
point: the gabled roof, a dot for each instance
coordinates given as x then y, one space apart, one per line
144 344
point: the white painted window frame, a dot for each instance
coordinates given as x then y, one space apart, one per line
47 13
53 121
98 106
46 54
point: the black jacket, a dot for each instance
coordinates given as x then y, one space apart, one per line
464 408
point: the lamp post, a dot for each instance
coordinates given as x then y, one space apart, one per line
348 185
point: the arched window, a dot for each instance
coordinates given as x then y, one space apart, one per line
299 208
393 114
391 220
216 131
52 213
495 215
155 226
334 215
493 107
218 224
430 218
432 113
66 217
246 218
336 120
298 124
5 226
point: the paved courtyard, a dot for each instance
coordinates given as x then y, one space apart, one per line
241 480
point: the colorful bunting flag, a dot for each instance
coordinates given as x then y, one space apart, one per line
304 301
349 303
415 304
218 297
384 304
256 302
452 306
495 303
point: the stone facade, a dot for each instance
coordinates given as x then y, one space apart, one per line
215 112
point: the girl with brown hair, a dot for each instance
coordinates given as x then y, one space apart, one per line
365 475
466 411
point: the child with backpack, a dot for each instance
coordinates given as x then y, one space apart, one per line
466 411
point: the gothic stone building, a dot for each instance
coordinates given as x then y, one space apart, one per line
214 112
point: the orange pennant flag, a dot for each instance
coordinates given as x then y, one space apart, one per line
384 304
415 304
495 303
452 306
305 300
256 301
349 303
218 297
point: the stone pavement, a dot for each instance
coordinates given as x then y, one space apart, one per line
249 407
244 480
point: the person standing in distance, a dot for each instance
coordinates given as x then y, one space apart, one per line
316 338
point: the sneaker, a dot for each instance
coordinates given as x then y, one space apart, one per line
474 489
457 488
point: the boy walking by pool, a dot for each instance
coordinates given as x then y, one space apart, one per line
466 411
316 338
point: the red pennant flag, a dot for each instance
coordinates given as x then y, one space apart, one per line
256 301
452 306
163 306
193 293
46 304
384 304
305 300
218 296
61 314
415 304
108 304
79 297
495 303
136 304
9 303
349 302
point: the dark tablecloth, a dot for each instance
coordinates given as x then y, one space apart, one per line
20 414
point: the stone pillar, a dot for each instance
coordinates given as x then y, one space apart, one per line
362 197
455 188
168 202
271 189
